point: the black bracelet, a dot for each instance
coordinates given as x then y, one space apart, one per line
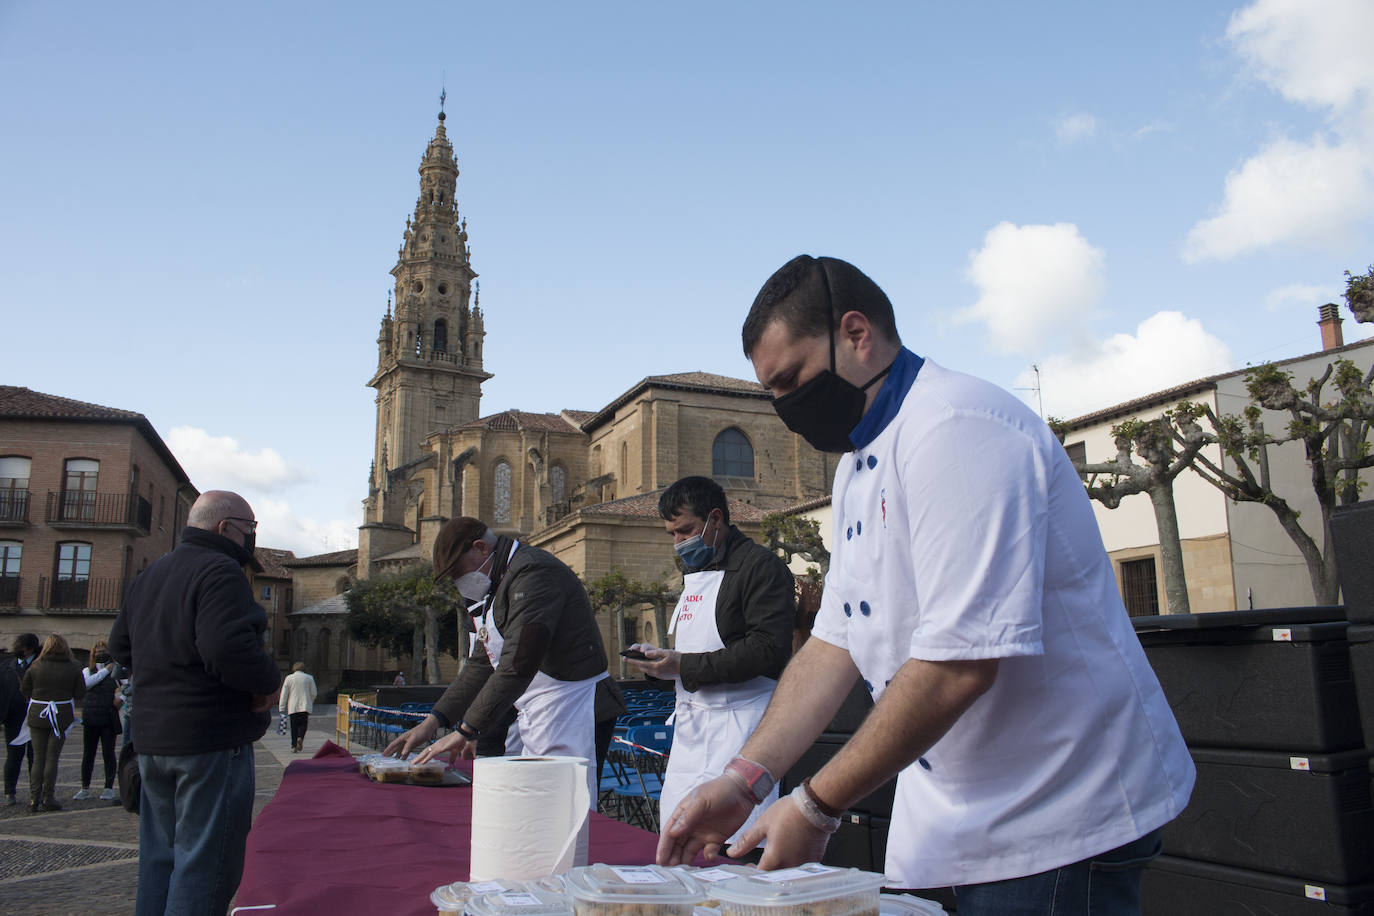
466 731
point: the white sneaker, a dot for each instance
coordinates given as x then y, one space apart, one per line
109 795
82 795
10 801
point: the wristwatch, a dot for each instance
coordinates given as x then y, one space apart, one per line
758 782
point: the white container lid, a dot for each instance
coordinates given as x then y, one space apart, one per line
714 874
789 887
530 901
907 905
646 885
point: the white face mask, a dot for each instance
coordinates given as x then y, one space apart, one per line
475 585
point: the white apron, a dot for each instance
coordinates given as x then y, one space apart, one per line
553 717
711 724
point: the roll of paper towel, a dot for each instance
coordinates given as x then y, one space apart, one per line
529 816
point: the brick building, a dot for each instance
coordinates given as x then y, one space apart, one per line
89 496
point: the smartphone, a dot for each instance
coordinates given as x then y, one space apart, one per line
634 654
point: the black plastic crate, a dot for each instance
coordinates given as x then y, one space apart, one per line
1305 816
852 711
817 756
1173 886
1277 684
1361 639
1352 538
851 846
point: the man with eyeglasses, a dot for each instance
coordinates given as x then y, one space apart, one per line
195 638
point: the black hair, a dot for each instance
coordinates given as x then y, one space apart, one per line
26 642
700 495
810 294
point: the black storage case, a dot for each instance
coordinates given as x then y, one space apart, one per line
852 845
1257 679
1307 816
817 756
1361 639
1352 538
1172 886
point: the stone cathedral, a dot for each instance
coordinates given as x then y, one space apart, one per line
581 483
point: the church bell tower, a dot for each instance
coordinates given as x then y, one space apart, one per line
429 352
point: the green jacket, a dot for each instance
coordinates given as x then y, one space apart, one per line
53 679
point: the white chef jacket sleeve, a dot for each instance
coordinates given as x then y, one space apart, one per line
976 496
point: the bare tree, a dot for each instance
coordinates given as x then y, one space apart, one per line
617 594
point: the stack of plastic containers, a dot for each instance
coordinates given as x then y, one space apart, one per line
1281 820
1352 534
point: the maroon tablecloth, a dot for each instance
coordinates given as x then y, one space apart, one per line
332 841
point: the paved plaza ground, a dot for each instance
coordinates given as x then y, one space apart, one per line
84 859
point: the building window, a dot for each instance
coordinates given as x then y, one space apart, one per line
558 483
1139 589
267 593
10 555
732 455
1077 451
441 335
78 488
14 488
500 496
73 574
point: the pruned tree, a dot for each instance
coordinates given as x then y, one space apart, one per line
1167 446
797 536
616 594
408 613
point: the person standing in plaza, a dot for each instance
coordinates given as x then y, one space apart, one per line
297 697
540 650
1036 756
732 630
14 709
194 637
99 721
52 684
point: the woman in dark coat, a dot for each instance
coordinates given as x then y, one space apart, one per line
15 708
99 721
53 684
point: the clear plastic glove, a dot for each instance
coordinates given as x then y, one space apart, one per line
791 838
661 663
408 741
453 745
704 820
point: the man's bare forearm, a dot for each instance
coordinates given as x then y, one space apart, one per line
919 705
812 688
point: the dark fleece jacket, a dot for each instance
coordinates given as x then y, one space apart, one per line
194 637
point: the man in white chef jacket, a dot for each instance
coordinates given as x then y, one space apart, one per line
970 591
732 634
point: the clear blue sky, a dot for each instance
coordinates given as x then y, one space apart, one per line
201 202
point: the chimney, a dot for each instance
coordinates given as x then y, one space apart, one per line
1330 323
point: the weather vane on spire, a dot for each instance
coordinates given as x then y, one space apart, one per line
443 91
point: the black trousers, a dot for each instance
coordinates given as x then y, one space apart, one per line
103 737
299 720
14 758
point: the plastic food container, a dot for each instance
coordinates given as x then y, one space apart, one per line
429 774
449 899
529 901
623 890
907 905
713 875
807 890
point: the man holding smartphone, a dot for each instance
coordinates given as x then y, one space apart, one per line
732 630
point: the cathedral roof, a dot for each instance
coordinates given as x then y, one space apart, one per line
334 604
337 558
707 382
645 505
23 404
517 420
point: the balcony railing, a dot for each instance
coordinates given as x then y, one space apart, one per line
84 509
80 595
14 507
9 592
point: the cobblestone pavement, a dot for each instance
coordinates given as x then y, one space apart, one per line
84 859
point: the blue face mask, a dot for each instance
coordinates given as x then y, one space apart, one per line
695 552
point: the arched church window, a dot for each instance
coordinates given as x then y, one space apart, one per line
500 477
732 455
440 335
558 483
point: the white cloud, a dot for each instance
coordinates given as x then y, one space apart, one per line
1033 281
1154 127
220 463
1313 192
1306 192
1298 295
1167 349
1075 127
280 527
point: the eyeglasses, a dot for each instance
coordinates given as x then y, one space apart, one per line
251 523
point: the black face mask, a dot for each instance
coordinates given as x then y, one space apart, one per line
826 408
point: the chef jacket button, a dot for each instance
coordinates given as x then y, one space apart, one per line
858 464
925 764
864 608
868 684
872 461
848 611
858 527
849 533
